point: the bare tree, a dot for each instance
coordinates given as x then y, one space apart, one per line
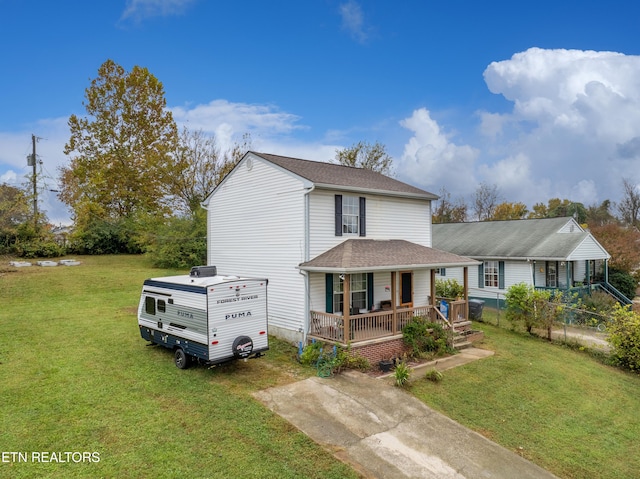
629 206
198 164
485 201
448 211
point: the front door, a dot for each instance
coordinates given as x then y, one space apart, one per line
406 289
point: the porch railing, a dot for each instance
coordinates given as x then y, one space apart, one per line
373 325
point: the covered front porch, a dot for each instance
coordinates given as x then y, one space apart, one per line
370 290
382 324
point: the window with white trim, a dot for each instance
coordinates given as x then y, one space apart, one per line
350 214
491 274
357 289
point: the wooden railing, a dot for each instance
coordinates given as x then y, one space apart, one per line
363 327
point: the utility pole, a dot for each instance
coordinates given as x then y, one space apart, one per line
31 161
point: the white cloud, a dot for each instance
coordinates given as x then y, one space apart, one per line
229 121
138 10
353 20
10 177
431 161
575 117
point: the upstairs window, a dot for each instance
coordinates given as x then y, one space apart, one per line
350 214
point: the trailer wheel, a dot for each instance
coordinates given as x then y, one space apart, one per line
181 359
242 347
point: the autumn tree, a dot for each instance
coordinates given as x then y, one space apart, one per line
447 210
14 212
539 210
629 206
121 161
485 200
365 155
622 243
509 211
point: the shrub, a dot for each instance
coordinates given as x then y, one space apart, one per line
425 337
311 353
434 375
402 374
179 243
624 337
449 288
39 249
623 282
595 307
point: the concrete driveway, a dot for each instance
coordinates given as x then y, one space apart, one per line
384 432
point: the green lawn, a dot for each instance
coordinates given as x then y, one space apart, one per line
556 406
76 377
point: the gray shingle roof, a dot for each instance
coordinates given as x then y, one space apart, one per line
329 174
355 255
521 239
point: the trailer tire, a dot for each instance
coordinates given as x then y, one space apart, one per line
181 359
242 347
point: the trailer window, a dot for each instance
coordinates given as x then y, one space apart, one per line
150 305
162 306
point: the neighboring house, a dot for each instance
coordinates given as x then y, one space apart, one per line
554 253
347 251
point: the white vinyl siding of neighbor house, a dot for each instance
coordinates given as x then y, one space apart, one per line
588 249
386 218
256 228
514 272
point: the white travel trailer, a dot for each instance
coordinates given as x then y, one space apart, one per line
205 316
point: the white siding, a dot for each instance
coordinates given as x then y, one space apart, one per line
516 272
256 228
571 226
386 218
588 249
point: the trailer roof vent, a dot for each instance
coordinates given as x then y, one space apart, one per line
203 271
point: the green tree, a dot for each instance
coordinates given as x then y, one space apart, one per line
365 155
14 211
600 215
121 153
534 307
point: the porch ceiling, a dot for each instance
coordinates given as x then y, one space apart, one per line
357 255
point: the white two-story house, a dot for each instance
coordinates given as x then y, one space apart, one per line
347 251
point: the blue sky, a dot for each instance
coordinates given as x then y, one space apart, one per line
541 99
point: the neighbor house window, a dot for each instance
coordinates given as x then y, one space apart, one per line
552 274
491 274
